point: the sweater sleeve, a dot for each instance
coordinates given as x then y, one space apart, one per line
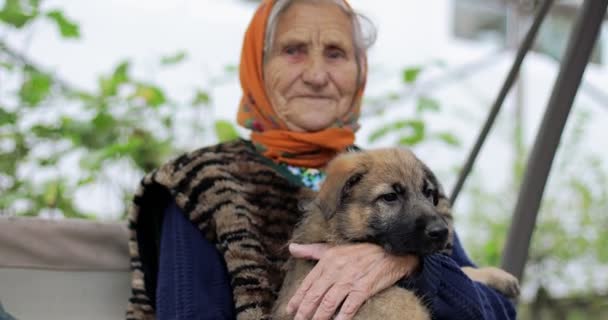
193 282
450 294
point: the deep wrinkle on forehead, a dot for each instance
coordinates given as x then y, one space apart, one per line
328 38
294 27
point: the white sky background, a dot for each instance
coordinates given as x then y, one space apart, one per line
411 32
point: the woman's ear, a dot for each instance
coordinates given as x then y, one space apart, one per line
343 173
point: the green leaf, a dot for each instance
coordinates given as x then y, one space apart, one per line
449 139
67 28
427 104
225 131
411 74
411 140
13 14
378 133
51 193
46 132
173 59
231 68
584 192
10 161
91 161
109 86
35 88
51 160
121 73
7 66
201 98
7 199
86 180
152 153
492 251
601 245
121 149
416 134
151 95
103 121
167 120
7 117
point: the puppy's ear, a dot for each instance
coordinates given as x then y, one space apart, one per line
343 173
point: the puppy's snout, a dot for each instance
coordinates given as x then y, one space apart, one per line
436 231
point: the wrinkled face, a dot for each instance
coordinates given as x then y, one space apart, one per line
390 198
310 74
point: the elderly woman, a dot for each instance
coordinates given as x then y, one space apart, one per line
208 229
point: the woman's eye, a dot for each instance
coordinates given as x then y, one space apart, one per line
389 197
293 50
335 53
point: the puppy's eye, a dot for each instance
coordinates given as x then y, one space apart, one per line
389 197
430 193
353 181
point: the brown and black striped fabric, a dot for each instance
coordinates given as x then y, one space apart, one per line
239 202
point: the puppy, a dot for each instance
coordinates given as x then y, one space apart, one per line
390 198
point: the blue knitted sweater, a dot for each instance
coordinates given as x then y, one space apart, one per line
193 282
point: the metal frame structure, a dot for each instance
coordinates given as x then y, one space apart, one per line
502 95
573 65
576 58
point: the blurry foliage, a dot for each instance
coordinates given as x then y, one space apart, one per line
572 221
570 230
124 118
412 130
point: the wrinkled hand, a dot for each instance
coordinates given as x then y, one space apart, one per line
350 273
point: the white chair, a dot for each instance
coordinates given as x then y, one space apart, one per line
63 269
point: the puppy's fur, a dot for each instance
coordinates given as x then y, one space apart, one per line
390 198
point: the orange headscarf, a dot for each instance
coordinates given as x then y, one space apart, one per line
270 135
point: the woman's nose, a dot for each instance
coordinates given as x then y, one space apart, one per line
315 73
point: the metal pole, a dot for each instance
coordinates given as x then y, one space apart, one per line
521 54
577 55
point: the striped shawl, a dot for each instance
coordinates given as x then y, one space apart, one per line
239 202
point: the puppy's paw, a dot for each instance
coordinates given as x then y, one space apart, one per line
496 278
507 284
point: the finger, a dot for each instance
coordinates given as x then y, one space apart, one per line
334 284
308 251
351 305
332 299
367 284
311 300
296 299
321 279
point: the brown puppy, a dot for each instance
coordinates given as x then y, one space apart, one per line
390 198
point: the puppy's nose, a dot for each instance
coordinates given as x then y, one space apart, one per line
436 231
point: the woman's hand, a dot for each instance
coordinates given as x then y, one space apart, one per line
349 273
